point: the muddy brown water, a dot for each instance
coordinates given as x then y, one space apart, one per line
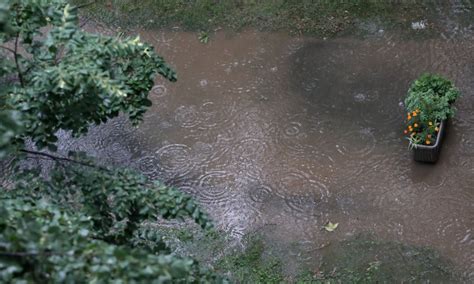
264 129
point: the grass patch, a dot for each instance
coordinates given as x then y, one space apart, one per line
361 259
325 18
246 262
253 264
366 260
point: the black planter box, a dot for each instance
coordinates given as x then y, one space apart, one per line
430 154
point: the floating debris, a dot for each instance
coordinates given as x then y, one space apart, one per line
203 37
331 227
360 97
420 25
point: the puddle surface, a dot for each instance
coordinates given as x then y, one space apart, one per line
266 129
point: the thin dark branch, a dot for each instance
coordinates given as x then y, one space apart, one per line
86 4
37 158
63 159
24 254
15 53
7 48
85 21
28 70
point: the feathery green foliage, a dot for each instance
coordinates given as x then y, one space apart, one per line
68 78
79 223
117 200
41 244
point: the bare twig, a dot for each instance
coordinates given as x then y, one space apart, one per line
7 48
29 69
19 254
63 159
85 5
15 53
85 21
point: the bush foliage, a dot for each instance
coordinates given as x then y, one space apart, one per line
80 222
429 102
68 78
43 244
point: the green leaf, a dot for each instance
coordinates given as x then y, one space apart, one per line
203 37
330 227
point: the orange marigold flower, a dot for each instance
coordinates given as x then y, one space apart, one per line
416 124
409 117
418 110
428 142
415 114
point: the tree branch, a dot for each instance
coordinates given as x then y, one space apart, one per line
15 53
63 159
7 48
85 5
29 69
23 254
85 21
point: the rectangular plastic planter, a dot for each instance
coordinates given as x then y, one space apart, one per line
430 154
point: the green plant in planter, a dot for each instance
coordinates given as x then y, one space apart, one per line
429 101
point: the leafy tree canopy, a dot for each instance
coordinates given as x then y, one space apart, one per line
68 78
81 223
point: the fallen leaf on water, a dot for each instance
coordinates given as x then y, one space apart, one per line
203 37
330 227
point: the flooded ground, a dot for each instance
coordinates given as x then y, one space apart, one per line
282 134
